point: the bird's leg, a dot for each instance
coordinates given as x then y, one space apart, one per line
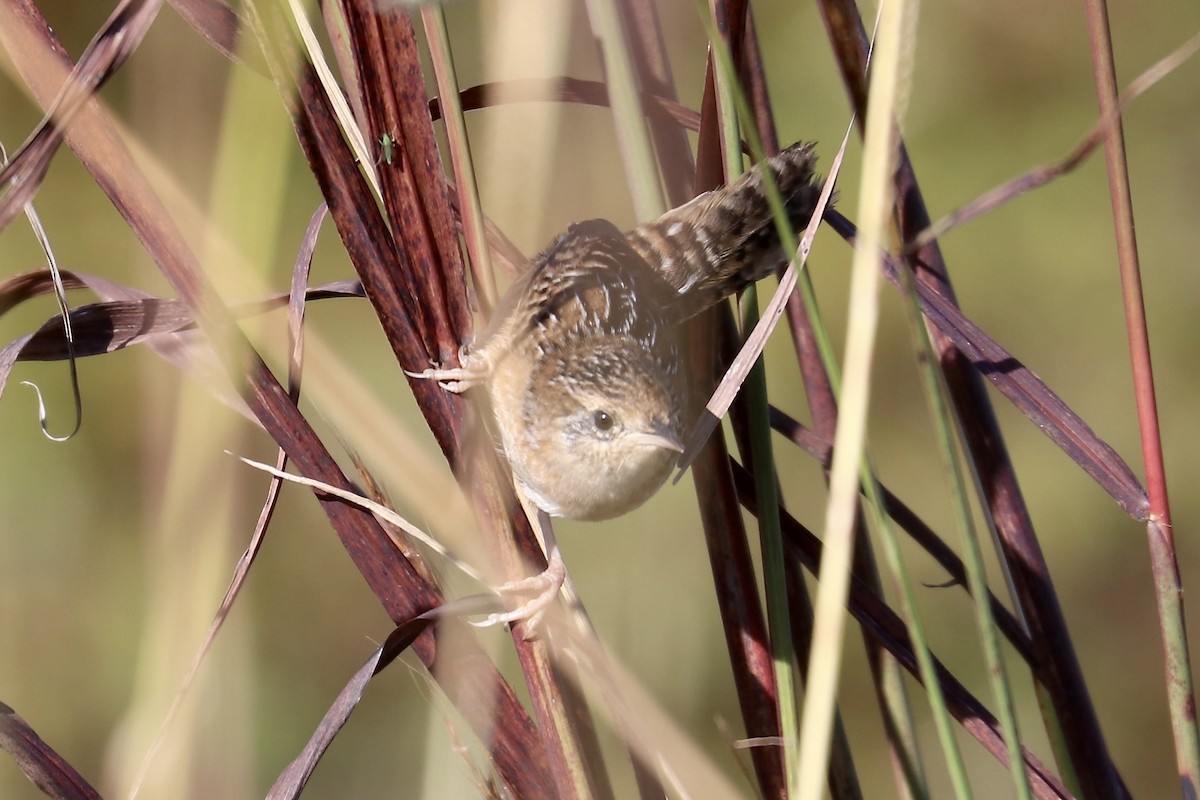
544 587
474 368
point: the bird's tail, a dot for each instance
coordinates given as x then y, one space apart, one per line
726 239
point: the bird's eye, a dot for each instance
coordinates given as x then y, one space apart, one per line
602 420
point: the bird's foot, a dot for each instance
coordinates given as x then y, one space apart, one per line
473 369
543 588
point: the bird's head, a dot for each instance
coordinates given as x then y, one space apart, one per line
604 430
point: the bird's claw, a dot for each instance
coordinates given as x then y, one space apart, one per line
474 370
544 587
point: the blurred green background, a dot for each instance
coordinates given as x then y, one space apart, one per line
116 546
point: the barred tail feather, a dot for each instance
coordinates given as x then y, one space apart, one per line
726 239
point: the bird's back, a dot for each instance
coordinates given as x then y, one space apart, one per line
591 282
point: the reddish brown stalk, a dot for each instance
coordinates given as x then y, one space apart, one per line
1160 537
116 40
44 767
414 189
417 203
219 24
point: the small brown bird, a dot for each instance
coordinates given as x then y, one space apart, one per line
581 360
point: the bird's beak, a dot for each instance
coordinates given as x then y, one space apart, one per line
659 435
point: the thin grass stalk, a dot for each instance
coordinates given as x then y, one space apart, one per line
850 440
783 652
944 426
724 24
899 725
888 675
898 722
901 53
1168 584
925 663
1056 665
633 132
819 370
927 668
742 615
843 778
470 208
775 577
338 31
652 64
